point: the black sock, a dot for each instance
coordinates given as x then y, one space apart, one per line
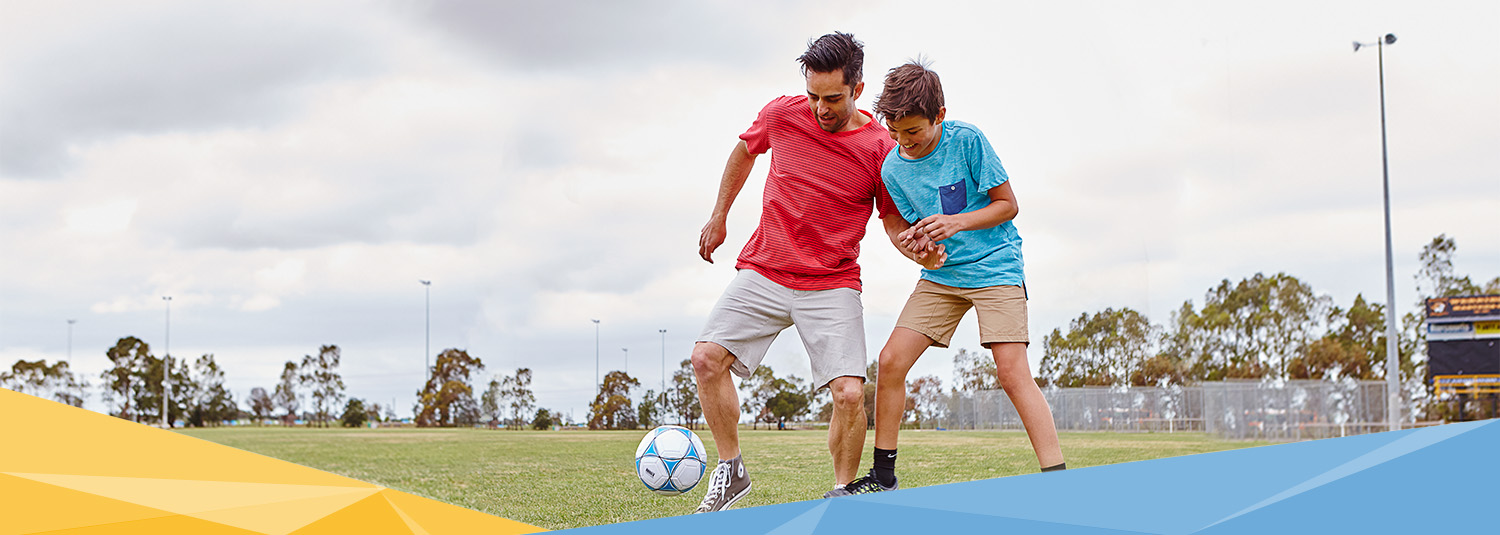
1056 467
885 466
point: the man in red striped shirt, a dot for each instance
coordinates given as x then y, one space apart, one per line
799 267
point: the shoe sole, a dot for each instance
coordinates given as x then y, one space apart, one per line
730 502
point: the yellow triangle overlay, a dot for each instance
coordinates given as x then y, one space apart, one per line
57 461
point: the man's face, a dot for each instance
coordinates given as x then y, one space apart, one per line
915 134
831 100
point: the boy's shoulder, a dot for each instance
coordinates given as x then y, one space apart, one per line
961 129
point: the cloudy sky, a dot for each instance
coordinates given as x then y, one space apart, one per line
288 171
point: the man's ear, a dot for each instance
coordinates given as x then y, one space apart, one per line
859 89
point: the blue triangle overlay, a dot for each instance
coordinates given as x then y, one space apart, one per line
1444 478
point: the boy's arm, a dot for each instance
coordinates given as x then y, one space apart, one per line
736 170
1002 208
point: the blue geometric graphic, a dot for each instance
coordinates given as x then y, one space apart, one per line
1434 479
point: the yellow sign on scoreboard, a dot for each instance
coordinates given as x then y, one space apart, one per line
1482 328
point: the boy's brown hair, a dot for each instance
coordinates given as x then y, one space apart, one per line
911 89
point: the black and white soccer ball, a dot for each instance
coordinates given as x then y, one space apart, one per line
670 460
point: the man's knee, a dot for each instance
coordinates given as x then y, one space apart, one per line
710 359
848 393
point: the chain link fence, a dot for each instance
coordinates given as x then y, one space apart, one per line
1291 410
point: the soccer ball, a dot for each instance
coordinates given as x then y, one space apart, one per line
670 460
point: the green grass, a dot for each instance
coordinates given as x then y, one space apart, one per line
565 479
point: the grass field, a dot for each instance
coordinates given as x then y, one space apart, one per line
565 479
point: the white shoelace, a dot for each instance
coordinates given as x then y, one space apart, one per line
717 484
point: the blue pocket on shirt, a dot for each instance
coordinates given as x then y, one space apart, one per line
955 198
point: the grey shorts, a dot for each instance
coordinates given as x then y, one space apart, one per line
754 309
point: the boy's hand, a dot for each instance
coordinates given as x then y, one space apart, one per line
939 227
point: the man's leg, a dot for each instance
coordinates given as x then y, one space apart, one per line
717 395
1015 377
846 431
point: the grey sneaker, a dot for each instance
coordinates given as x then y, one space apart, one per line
727 485
864 484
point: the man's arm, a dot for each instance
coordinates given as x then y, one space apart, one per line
736 170
914 246
1002 208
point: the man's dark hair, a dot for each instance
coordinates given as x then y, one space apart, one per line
837 51
911 89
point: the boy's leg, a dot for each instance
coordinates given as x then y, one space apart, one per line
846 430
896 358
1015 377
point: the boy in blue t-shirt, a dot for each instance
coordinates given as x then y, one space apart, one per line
945 177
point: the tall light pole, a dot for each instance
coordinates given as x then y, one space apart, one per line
427 328
663 359
1392 364
597 386
70 342
166 369
627 359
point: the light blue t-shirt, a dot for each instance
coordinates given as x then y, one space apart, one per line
954 178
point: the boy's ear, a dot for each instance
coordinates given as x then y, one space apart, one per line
942 111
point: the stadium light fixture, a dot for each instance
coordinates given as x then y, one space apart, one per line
166 368
427 330
663 360
1392 362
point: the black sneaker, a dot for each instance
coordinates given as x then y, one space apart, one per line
727 485
862 485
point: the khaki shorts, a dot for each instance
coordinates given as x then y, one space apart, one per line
754 310
934 310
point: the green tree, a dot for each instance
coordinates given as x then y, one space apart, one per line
1250 329
491 402
759 388
326 386
521 400
447 399
261 405
355 414
286 397
790 402
123 380
612 409
1353 347
682 397
37 378
209 403
1104 349
974 370
925 401
1436 277
543 420
649 411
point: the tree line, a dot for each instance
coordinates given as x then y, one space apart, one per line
1262 327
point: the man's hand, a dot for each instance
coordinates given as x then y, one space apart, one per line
711 238
933 257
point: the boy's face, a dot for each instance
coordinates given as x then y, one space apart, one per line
916 135
831 100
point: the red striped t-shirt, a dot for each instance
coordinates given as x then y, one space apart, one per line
818 196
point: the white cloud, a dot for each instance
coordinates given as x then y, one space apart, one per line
289 187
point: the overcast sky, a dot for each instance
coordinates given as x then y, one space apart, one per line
288 171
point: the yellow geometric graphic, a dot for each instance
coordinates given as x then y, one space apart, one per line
66 470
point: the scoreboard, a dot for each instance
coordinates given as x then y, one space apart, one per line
1463 335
